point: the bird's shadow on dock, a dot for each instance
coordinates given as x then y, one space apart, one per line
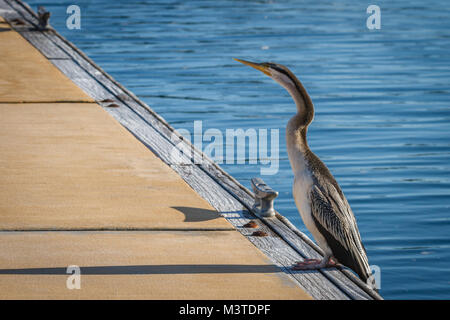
150 269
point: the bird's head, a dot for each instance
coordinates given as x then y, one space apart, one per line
289 81
277 72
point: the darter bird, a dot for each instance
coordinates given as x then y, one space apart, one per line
322 205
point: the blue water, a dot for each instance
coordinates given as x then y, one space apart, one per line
382 101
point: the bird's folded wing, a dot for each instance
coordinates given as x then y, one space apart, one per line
334 214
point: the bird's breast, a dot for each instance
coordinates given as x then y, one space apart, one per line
302 181
302 186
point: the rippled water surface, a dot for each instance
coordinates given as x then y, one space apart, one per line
381 97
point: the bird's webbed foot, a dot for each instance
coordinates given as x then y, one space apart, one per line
314 264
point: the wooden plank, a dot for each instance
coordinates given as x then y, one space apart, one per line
7 12
73 166
220 189
85 81
46 46
13 11
180 265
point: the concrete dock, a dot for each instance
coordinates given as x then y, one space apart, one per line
77 188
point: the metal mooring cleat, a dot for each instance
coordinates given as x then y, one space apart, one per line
43 16
264 197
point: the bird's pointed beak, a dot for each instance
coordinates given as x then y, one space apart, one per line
257 66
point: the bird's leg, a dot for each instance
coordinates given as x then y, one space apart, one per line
313 264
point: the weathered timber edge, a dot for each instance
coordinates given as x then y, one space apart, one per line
284 244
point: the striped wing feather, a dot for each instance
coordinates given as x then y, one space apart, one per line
335 220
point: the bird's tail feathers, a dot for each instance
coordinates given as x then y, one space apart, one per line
365 272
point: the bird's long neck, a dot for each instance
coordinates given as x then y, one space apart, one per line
298 124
